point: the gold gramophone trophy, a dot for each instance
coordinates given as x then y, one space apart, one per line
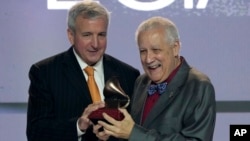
115 98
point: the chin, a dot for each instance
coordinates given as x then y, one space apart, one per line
95 58
154 79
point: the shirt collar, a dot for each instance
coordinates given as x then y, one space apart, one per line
173 73
98 66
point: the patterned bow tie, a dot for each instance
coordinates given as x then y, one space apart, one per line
161 88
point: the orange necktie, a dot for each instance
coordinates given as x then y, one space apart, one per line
95 95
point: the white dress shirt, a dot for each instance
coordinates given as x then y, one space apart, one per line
99 78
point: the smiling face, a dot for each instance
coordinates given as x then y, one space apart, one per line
89 38
158 57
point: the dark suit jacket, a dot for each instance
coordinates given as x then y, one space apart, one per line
186 111
58 95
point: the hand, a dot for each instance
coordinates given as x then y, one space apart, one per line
84 122
100 134
118 129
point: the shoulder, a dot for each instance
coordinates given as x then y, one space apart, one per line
197 76
52 63
193 78
198 87
200 84
192 74
55 59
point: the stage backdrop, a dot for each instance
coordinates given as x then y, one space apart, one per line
215 38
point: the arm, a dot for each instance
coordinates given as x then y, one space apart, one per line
51 116
197 125
42 123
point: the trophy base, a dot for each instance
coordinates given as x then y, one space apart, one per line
113 112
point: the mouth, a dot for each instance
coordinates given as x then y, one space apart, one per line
152 67
93 51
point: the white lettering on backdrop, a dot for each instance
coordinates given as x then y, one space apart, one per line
133 4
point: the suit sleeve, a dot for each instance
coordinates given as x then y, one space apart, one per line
42 125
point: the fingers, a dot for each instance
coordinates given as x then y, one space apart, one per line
120 129
92 107
110 119
100 134
96 128
124 112
84 121
108 129
111 122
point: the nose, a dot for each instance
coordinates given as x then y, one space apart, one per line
149 57
94 41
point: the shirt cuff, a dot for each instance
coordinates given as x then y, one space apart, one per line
79 131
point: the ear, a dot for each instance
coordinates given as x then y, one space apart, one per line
70 36
176 48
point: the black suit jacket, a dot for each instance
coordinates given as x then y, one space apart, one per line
58 95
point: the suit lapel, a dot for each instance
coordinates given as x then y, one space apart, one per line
138 112
161 104
138 105
109 68
74 74
139 100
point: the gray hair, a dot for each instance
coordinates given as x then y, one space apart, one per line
88 9
171 31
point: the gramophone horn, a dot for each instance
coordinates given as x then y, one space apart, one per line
114 94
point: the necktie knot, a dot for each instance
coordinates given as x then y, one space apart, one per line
161 88
89 70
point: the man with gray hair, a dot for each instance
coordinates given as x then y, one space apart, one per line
172 101
60 94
